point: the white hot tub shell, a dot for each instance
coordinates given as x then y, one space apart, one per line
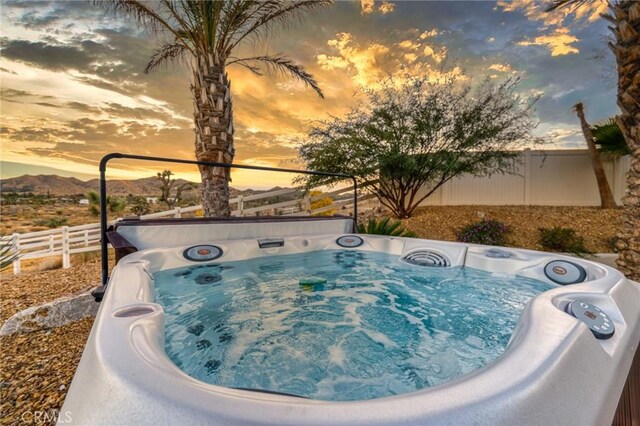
554 370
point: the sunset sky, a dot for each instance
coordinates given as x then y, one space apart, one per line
73 87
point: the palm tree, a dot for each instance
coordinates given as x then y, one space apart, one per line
208 34
609 138
606 196
624 18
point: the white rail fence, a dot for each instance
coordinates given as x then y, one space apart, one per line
69 240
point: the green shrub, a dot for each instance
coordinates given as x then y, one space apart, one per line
489 232
563 240
385 227
56 222
612 244
139 206
53 222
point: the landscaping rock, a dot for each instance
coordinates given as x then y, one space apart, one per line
53 314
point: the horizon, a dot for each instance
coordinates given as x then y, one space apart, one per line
73 87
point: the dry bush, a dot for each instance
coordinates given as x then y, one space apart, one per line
48 264
85 257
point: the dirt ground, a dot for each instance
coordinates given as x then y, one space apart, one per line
36 368
596 226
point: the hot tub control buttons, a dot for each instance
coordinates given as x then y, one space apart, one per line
202 253
600 324
565 272
349 241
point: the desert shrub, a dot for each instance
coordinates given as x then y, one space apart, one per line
320 203
85 257
55 222
488 231
49 264
563 240
139 206
612 244
52 222
385 227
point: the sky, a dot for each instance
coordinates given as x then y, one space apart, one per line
73 86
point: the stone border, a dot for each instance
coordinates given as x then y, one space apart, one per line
57 313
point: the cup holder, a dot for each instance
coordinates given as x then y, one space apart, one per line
133 311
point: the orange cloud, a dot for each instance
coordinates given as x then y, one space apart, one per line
387 7
500 67
364 60
437 55
366 6
428 34
559 42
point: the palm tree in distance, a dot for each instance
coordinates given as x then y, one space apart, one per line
209 34
624 17
606 196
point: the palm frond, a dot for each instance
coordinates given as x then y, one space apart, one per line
167 53
271 12
142 13
572 4
609 137
282 64
8 253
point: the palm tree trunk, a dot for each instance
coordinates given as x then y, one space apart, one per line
627 51
606 196
213 119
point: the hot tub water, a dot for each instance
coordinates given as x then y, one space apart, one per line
337 324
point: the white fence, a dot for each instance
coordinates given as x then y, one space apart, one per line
547 178
68 240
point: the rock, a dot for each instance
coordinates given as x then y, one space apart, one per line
53 314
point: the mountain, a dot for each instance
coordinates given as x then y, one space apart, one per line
65 186
40 184
59 186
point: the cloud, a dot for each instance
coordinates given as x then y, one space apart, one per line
428 34
410 57
438 55
364 60
367 6
387 7
368 63
558 38
559 42
45 55
534 10
409 45
501 67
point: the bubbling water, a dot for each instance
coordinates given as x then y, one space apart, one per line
337 325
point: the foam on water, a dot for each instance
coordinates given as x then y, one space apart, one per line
376 327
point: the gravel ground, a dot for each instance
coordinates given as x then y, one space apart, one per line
36 371
36 368
18 292
596 226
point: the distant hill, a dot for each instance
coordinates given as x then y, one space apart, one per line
61 186
58 186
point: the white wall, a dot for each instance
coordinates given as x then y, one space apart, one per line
550 178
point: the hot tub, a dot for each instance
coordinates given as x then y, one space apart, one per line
534 338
